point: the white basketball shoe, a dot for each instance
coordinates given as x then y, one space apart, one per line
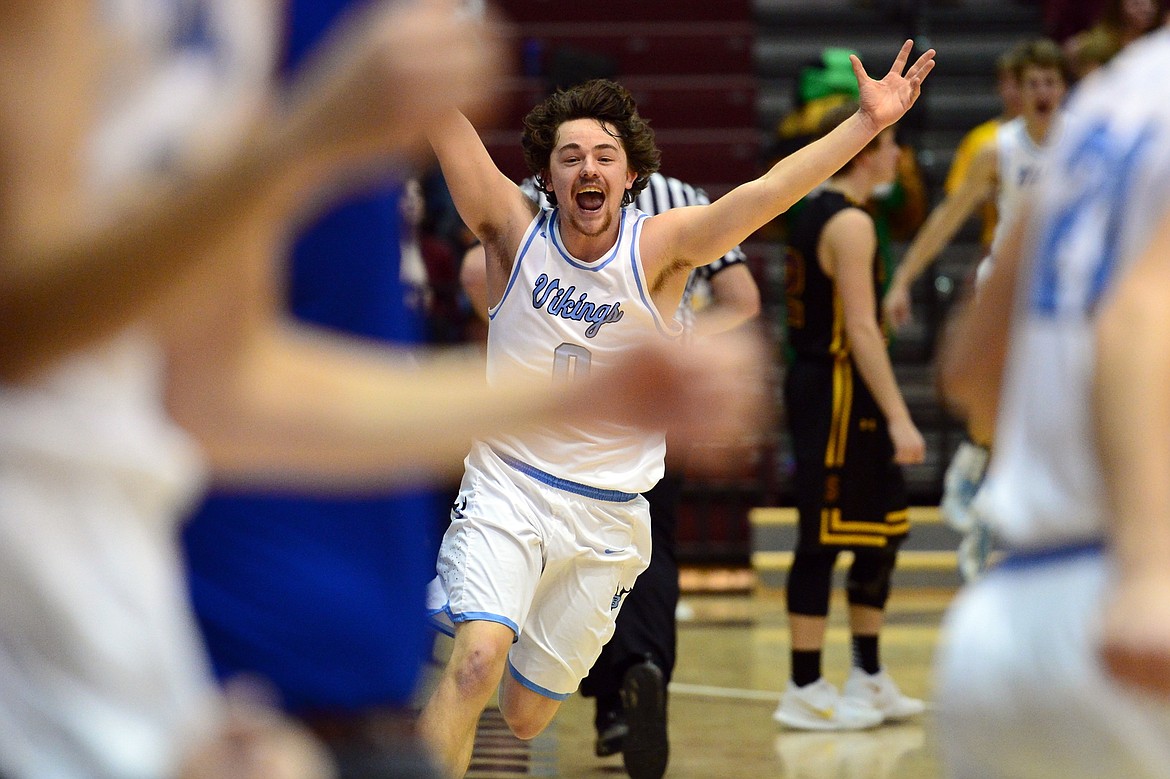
880 692
818 706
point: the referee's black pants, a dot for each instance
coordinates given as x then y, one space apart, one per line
646 625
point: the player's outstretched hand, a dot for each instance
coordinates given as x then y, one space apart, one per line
708 396
884 102
386 72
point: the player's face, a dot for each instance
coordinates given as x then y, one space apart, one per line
589 174
1009 92
1041 92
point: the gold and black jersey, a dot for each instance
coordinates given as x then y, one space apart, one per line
816 319
848 490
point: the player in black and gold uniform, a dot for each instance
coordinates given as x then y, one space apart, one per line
851 431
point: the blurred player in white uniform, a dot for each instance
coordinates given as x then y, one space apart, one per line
153 171
101 669
1057 662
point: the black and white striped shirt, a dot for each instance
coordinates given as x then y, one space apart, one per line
663 193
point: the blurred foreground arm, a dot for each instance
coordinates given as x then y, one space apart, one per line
69 276
308 414
1132 405
975 342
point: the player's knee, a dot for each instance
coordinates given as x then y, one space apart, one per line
809 581
526 726
868 583
526 713
477 669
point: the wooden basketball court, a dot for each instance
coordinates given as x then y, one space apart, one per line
733 662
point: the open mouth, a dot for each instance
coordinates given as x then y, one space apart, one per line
590 199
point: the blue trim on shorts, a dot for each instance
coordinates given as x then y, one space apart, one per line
468 616
536 688
1030 558
556 482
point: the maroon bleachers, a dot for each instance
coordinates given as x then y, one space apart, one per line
667 48
525 12
669 102
689 66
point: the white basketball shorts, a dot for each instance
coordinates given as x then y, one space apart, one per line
551 559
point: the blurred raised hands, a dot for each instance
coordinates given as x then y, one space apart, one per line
385 73
709 396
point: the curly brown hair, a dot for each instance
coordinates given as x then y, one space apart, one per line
609 103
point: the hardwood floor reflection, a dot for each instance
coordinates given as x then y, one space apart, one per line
733 662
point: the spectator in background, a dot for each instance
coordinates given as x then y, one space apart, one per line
413 270
1007 86
1119 23
430 266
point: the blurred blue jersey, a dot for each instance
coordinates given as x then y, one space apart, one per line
324 597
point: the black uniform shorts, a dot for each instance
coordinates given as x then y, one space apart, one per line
849 492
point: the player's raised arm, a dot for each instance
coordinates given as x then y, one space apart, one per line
708 233
490 204
940 227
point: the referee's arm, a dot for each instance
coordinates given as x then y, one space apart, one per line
735 298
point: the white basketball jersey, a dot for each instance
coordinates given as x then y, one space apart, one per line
1018 158
560 318
1105 187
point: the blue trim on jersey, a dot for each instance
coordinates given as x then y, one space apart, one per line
1030 558
659 323
438 624
532 231
556 482
554 234
536 688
